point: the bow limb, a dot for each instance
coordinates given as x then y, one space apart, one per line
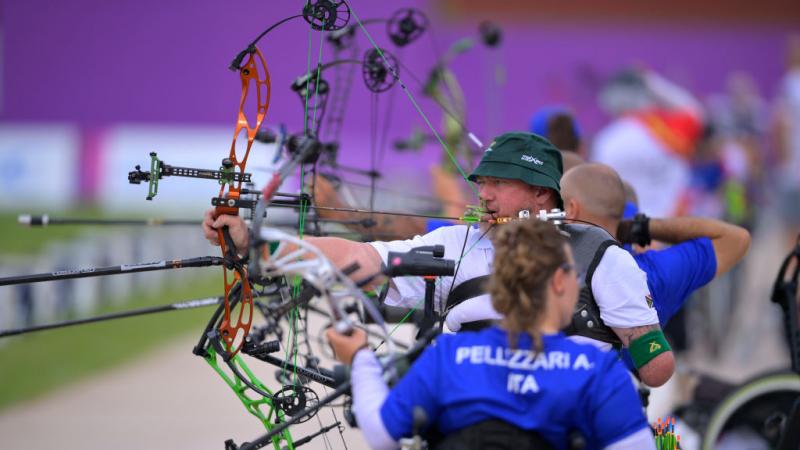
262 407
235 327
445 89
254 394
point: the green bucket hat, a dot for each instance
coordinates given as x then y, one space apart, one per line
523 156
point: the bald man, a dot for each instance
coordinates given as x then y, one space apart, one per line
704 248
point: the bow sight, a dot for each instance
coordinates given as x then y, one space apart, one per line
226 174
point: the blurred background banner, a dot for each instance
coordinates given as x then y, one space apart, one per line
95 65
39 165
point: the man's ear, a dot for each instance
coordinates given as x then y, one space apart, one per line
573 209
543 196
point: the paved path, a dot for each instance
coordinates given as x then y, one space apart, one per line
168 400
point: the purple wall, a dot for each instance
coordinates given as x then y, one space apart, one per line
97 63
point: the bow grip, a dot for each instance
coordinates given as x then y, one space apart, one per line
230 247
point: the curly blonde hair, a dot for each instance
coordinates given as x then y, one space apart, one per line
527 253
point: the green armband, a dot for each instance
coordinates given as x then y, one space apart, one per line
648 346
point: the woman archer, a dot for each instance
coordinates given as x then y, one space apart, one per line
522 384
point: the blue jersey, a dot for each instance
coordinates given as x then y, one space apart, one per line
673 274
467 378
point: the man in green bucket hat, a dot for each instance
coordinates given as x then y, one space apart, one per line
519 172
518 175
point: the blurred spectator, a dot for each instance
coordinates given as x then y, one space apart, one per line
788 141
558 125
738 119
707 177
652 138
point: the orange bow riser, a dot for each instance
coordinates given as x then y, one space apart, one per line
254 75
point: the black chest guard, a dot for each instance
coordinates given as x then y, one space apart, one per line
589 244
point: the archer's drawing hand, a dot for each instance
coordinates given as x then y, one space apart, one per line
345 347
236 227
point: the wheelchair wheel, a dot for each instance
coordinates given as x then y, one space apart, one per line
760 405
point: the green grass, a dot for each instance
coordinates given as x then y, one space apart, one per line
35 364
